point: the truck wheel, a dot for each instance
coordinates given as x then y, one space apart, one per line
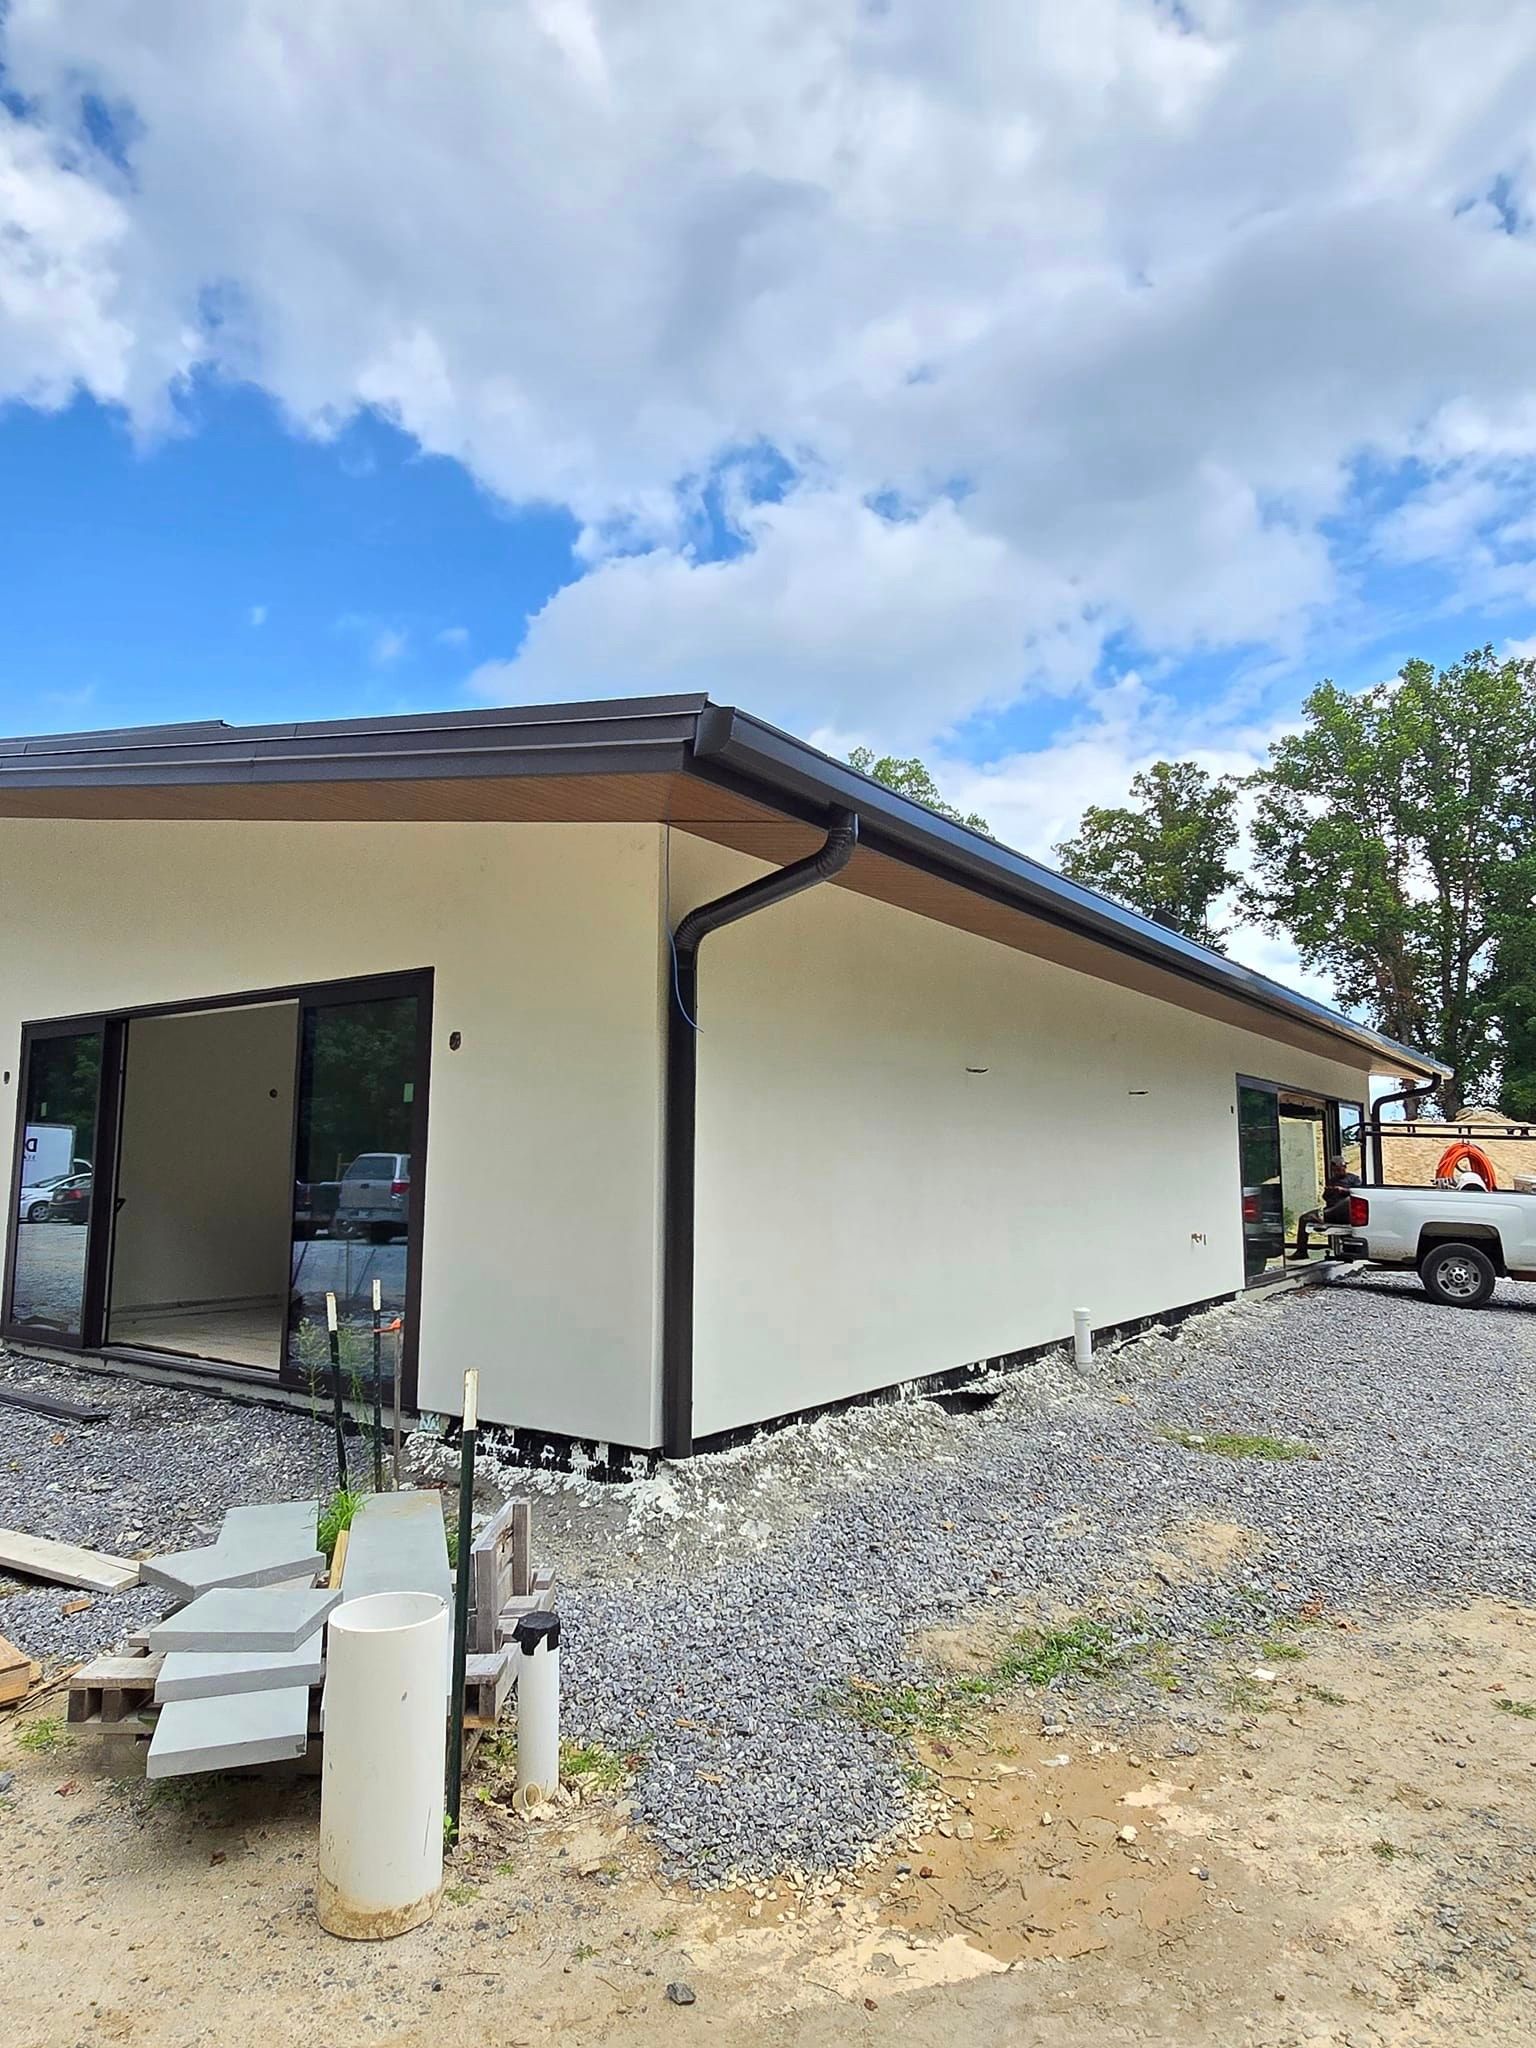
1458 1275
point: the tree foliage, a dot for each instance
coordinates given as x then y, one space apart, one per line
1392 841
911 778
1167 853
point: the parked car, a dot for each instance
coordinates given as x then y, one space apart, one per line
32 1202
314 1206
374 1198
69 1201
1461 1240
1263 1226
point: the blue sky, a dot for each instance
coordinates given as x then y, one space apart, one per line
229 564
233 568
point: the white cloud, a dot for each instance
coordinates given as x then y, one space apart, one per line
453 636
389 644
1114 298
257 615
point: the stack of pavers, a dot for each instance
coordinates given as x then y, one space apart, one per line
232 1675
243 1645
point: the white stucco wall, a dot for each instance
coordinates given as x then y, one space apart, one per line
869 1211
541 1212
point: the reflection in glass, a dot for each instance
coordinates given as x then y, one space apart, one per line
352 1198
1352 1137
1258 1136
53 1216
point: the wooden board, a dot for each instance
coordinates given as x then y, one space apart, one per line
111 1690
487 1681
65 1564
52 1405
339 1558
15 1673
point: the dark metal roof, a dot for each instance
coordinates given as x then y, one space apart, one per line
685 734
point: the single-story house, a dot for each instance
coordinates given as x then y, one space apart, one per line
672 1073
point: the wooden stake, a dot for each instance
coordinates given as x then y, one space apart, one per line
378 1394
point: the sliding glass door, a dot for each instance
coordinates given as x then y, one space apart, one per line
357 1178
52 1224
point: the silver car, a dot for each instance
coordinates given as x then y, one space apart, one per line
374 1199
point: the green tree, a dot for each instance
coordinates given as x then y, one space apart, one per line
911 778
1392 841
1167 853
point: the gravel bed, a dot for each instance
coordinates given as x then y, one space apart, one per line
716 1612
728 1683
157 1475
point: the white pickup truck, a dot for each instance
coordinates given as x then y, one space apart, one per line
1460 1240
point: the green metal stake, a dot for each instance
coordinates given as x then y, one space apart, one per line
461 1594
378 1394
334 1332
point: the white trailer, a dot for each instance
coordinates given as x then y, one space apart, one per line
48 1153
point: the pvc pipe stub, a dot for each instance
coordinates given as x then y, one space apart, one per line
537 1631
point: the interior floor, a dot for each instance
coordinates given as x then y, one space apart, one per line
251 1334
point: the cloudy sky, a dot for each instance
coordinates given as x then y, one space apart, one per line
1041 387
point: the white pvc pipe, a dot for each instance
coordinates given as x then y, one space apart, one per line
536 1647
1082 1338
381 1778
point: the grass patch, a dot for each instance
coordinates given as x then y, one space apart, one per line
335 1516
1247 1695
1525 1709
1386 1851
42 1736
948 1706
1278 1650
1226 1444
593 1764
460 1894
1326 1694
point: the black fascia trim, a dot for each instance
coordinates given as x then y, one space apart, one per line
754 755
549 741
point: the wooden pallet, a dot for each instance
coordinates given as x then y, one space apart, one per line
499 1572
112 1688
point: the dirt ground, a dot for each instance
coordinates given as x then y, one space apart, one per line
1352 1861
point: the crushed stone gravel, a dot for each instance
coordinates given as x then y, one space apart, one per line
716 1613
729 1679
156 1475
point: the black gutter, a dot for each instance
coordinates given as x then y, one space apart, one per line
741 752
679 1161
1410 1096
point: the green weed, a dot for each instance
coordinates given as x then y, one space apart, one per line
594 1764
460 1894
1277 1650
1385 1850
1326 1694
948 1706
1224 1444
42 1736
335 1516
1526 1709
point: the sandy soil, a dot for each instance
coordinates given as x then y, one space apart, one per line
1355 1863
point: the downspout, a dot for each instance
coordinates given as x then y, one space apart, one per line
1413 1093
682 1104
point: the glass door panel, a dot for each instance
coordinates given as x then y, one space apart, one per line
358 1065
50 1231
1258 1140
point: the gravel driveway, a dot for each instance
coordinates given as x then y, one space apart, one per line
716 1613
